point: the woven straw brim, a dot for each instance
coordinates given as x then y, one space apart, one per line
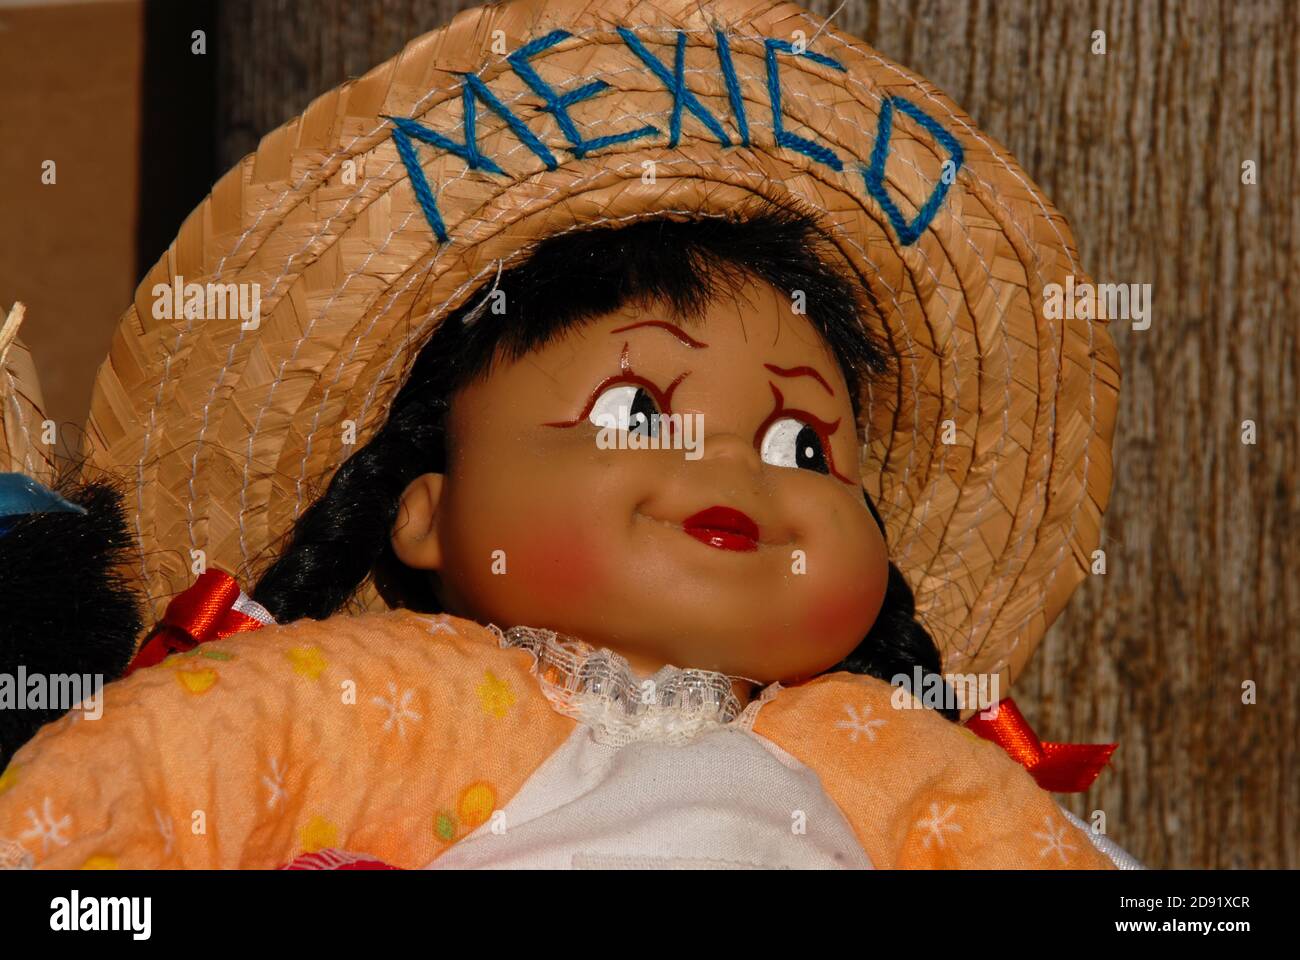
228 433
23 446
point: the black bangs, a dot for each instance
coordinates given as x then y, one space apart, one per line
681 265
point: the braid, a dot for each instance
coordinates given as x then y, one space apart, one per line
340 538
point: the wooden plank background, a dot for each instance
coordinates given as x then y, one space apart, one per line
1142 148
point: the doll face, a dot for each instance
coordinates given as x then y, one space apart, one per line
741 544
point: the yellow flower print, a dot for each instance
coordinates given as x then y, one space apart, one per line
307 661
319 834
198 681
9 778
191 674
477 801
495 695
100 862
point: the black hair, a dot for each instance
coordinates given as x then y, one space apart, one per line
683 264
70 608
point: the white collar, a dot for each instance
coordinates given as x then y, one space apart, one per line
600 689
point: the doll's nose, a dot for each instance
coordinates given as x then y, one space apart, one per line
730 449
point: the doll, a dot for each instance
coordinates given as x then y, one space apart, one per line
553 447
583 302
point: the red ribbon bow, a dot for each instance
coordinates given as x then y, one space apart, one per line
1057 767
211 609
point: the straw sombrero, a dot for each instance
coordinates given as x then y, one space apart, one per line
392 198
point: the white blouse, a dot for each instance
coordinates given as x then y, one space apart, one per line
663 772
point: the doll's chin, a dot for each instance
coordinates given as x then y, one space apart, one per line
689 636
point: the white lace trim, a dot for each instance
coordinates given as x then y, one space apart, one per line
599 688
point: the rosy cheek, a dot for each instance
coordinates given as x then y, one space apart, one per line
826 620
842 610
557 564
834 614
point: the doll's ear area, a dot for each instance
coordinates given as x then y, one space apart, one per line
415 532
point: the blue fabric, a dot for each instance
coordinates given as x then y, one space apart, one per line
21 495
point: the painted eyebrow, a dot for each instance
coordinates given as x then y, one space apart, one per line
800 372
675 330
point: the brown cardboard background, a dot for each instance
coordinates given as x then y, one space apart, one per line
70 91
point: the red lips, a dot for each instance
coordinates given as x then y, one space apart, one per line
724 528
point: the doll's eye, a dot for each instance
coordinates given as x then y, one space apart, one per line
792 443
628 407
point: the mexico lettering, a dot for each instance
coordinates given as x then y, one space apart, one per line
476 95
